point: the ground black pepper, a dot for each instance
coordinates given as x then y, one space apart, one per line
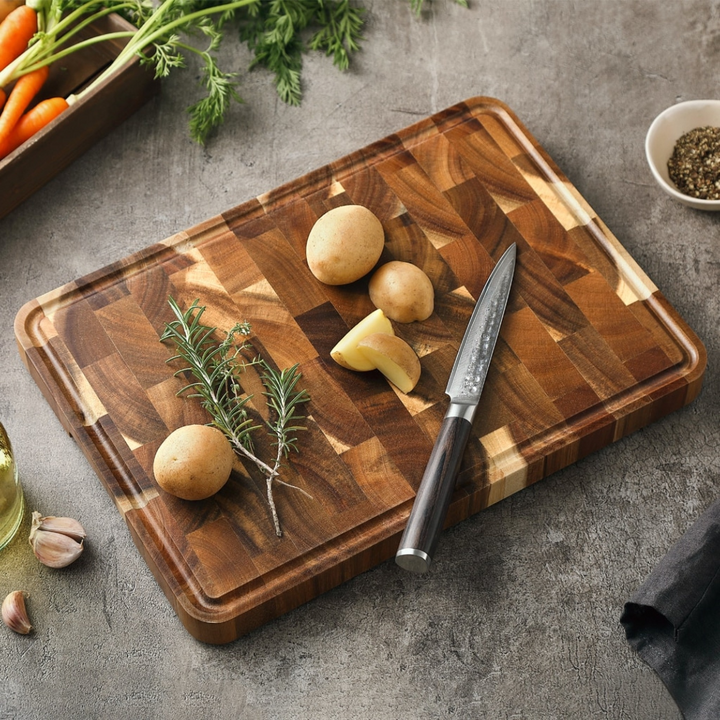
694 166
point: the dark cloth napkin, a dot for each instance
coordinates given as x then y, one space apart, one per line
673 620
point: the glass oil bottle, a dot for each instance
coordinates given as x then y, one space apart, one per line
11 496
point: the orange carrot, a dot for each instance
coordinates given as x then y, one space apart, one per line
3 98
26 88
31 122
15 33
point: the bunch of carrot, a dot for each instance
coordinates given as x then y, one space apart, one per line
17 125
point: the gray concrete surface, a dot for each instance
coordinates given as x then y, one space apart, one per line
520 618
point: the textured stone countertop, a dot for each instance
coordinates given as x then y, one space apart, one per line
520 620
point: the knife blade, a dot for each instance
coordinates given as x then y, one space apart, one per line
465 386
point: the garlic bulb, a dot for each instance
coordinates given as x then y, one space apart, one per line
14 613
56 541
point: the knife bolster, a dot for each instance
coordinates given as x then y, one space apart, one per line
466 411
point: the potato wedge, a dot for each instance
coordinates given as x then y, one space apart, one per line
346 354
394 358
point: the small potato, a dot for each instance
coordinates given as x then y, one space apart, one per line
193 462
344 244
403 291
394 358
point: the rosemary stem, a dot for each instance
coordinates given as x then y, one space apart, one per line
294 487
271 503
242 450
269 482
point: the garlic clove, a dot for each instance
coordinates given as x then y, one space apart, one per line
55 549
63 525
14 613
56 541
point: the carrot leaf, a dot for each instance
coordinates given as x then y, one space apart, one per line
208 113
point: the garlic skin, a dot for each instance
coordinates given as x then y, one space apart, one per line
55 550
14 613
63 525
57 542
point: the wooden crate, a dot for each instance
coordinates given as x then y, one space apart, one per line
67 137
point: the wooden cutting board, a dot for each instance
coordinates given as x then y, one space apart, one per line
589 351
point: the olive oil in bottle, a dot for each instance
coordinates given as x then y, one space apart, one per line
11 496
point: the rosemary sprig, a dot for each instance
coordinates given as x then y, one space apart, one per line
215 367
283 399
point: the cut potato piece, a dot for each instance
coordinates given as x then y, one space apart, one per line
346 354
394 358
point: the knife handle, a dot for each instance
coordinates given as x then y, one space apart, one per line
432 501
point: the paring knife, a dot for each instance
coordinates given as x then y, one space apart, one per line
464 387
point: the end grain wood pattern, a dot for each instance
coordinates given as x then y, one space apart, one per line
589 352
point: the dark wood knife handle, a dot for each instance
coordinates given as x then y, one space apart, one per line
432 501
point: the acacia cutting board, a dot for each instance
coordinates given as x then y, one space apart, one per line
589 352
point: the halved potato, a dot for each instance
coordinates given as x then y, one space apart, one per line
402 291
394 358
346 354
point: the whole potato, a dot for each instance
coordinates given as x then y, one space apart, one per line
402 291
193 462
344 244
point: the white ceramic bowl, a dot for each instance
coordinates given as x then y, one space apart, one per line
664 132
